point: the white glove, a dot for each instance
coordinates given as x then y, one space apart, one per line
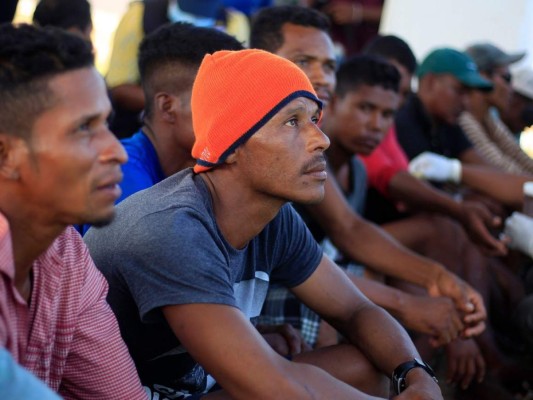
435 167
519 228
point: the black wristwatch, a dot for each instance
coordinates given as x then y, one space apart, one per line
399 374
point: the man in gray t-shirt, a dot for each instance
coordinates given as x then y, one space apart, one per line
189 260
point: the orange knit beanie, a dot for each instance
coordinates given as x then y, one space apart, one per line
234 94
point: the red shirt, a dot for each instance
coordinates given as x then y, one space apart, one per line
384 162
68 336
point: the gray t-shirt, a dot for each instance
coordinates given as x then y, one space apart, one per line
164 248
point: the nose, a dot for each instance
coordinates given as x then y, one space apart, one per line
317 139
376 122
317 75
113 151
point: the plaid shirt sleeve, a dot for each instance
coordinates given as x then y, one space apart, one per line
98 365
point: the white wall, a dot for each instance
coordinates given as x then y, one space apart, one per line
427 24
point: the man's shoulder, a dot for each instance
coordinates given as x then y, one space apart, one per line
183 189
181 194
67 265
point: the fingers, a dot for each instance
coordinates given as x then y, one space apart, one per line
474 321
474 330
452 369
489 244
479 313
292 337
449 331
468 373
481 368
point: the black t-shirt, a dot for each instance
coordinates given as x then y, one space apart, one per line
417 132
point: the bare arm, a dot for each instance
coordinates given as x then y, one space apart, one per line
434 316
475 218
226 344
370 245
335 298
503 187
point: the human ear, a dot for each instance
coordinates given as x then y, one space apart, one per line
167 106
232 158
10 154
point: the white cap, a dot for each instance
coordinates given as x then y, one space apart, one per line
523 82
528 189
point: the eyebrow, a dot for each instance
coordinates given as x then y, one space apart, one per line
91 117
313 57
299 109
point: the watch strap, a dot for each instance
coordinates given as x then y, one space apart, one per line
400 372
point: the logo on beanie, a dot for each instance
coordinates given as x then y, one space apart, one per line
206 154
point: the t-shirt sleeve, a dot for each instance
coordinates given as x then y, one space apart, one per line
297 252
385 162
174 257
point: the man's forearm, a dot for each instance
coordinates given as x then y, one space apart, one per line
421 196
375 248
382 339
503 187
367 243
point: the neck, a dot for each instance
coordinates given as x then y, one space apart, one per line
240 213
478 106
172 157
31 237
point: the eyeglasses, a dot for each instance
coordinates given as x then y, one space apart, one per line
507 77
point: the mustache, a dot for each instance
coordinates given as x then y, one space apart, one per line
317 161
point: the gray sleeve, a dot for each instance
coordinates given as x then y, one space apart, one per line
169 258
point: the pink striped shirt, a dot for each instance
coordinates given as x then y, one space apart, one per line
68 335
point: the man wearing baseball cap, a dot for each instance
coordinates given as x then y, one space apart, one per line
519 114
191 258
481 122
428 122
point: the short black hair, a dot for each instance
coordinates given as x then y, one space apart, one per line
366 70
64 14
170 56
392 47
267 24
29 58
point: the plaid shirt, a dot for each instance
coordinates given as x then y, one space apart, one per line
67 336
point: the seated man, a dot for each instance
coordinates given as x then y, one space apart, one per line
142 18
490 136
519 114
169 58
190 258
301 35
59 165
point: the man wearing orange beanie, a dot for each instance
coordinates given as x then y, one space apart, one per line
190 259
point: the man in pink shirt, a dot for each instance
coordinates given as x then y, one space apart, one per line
59 165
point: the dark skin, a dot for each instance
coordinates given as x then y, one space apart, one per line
248 195
312 50
33 170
